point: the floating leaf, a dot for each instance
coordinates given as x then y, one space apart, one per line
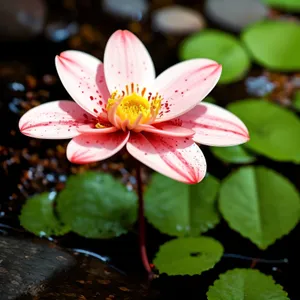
188 256
260 204
288 5
179 209
241 284
38 217
96 205
274 131
296 101
209 99
233 154
270 51
221 47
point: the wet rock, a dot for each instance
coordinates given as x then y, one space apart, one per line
39 269
127 9
25 266
177 20
235 14
22 20
259 86
60 31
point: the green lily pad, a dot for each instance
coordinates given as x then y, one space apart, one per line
242 284
296 101
260 204
221 47
233 154
210 99
281 54
38 217
288 5
96 205
179 209
188 256
274 130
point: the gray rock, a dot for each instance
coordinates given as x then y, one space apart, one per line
127 9
235 14
59 31
177 20
22 20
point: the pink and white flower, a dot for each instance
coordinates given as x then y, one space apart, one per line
120 102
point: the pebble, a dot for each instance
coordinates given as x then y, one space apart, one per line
22 20
127 9
60 31
235 14
177 20
259 86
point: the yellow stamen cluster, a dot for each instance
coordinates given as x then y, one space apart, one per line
130 108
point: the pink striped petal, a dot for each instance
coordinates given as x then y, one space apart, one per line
126 61
87 148
83 77
178 158
184 85
93 130
54 120
165 129
214 126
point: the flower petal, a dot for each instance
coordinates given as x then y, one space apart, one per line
214 125
184 85
93 130
54 120
126 61
165 129
180 159
87 148
83 77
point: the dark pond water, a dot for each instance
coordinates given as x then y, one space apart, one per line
28 77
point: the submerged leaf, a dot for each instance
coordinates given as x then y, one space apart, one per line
241 284
233 154
269 50
179 209
96 205
221 47
38 217
188 256
274 131
260 204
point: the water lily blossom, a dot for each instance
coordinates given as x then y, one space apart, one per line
120 102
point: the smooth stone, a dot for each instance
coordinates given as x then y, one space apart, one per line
235 14
127 9
22 20
60 31
177 20
259 86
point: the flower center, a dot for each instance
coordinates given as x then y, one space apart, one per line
130 108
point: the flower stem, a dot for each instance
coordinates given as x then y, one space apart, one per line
142 233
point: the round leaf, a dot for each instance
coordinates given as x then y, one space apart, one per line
274 131
269 50
260 204
296 101
188 256
221 47
179 209
233 154
288 5
210 99
96 205
37 216
241 284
